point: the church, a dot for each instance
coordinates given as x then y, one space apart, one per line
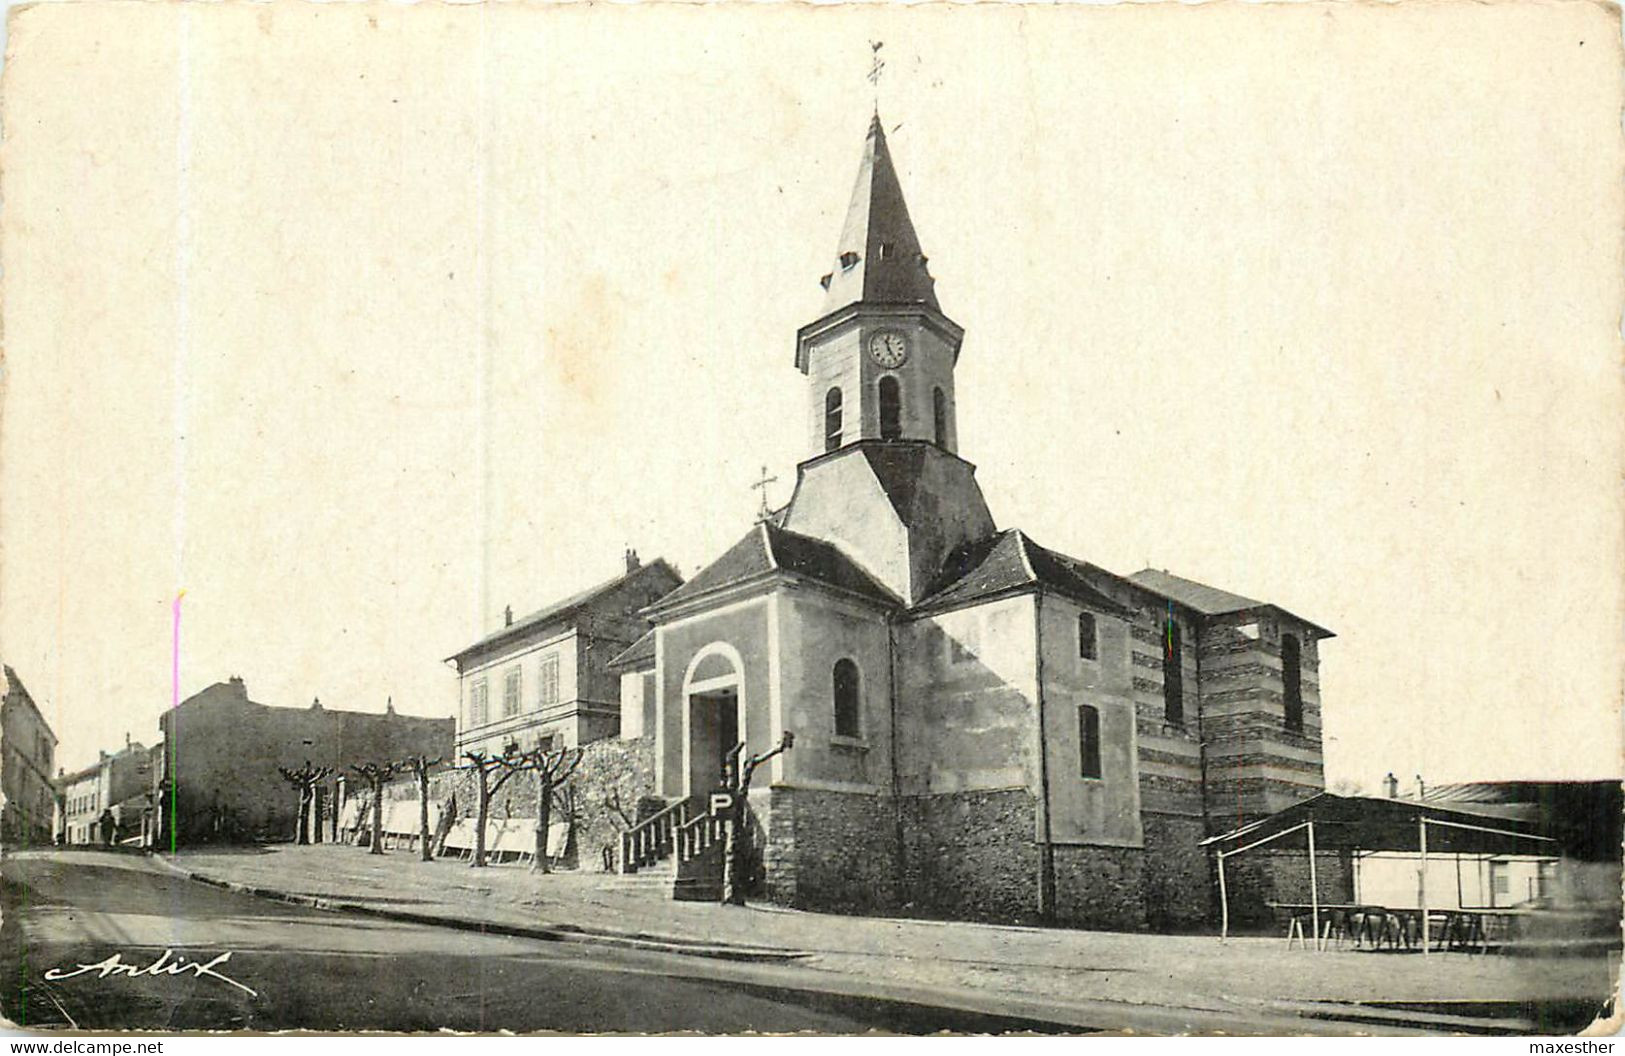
983 727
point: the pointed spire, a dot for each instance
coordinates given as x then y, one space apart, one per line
879 258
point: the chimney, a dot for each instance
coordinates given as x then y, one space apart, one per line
507 616
315 703
1421 788
1391 783
389 706
632 562
126 740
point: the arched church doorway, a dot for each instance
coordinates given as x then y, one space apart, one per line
713 692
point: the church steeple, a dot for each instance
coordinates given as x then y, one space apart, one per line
879 260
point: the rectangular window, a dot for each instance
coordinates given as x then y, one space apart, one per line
1500 882
1088 741
1292 681
1086 636
548 677
1173 673
511 683
476 702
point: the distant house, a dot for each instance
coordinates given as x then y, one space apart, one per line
222 751
547 676
27 754
118 784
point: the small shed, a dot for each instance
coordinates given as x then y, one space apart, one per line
1355 824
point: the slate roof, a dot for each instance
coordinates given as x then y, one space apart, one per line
640 653
878 260
1209 601
767 548
1009 562
563 608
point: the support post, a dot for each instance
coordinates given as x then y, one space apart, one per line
1314 887
1422 880
1224 903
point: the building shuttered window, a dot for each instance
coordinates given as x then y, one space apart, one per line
512 681
548 694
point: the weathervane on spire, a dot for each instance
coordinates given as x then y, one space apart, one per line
876 65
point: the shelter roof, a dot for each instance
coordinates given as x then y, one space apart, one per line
1369 823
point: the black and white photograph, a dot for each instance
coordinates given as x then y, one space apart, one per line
830 519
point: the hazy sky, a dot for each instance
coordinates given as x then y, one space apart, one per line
358 323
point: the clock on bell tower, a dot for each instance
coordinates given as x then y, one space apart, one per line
880 360
883 481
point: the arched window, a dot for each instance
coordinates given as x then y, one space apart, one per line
939 412
1292 681
1173 674
891 409
1086 635
832 419
847 713
1088 741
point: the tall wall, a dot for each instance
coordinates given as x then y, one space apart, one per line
226 750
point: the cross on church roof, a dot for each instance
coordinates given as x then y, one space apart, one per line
761 485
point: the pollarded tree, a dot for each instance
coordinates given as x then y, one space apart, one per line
419 766
376 774
492 772
552 769
740 770
305 779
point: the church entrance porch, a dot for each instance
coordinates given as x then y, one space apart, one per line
713 730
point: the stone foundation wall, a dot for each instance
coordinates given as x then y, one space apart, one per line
1179 883
1100 887
613 772
1261 876
828 850
970 855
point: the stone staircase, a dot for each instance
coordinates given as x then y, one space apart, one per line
679 848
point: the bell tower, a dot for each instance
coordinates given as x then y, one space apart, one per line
883 479
880 360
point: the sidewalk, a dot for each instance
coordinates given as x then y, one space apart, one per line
1247 975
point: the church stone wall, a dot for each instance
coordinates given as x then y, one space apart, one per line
971 855
1101 887
1256 878
829 850
1179 880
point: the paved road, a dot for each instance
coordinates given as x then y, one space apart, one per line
295 967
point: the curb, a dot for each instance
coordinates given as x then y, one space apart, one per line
550 933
